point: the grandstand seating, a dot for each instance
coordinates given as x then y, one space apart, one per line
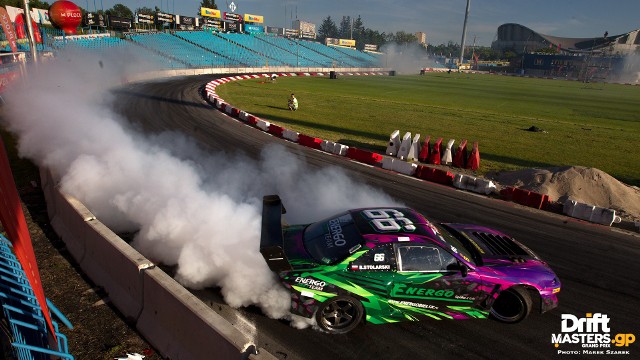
204 49
30 335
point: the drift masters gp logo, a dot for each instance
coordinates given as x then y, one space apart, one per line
592 332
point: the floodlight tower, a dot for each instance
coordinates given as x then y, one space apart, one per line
464 33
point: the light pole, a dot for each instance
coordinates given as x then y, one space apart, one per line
464 32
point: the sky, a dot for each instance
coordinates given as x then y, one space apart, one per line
441 19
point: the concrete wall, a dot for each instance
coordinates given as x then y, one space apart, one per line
170 318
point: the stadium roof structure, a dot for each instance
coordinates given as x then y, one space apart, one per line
521 39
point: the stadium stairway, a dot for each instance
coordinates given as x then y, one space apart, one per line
283 44
31 338
182 36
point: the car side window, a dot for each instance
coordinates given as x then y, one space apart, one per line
424 258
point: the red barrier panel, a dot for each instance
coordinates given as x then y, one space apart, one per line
461 155
434 155
275 130
425 150
526 198
309 141
434 175
473 162
235 112
363 156
252 120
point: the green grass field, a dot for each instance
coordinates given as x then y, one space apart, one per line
594 125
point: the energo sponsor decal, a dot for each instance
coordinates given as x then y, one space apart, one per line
402 290
593 334
310 283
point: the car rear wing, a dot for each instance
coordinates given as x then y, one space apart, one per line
271 237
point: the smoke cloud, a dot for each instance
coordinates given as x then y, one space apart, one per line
405 58
198 211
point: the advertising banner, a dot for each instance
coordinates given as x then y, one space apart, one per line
370 47
145 19
232 26
346 42
255 29
232 17
186 20
304 26
308 35
253 18
8 29
275 30
163 18
93 19
331 41
291 33
120 23
213 23
207 12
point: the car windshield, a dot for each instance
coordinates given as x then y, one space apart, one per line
332 239
457 246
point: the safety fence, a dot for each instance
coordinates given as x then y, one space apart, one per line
30 336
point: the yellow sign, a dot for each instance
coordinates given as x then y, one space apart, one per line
210 12
345 42
253 18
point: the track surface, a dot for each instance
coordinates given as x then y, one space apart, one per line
599 267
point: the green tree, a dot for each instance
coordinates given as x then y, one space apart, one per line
34 4
328 29
147 11
345 28
120 10
402 37
211 4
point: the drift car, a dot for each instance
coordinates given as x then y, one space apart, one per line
391 264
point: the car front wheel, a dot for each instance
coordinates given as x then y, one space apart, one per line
512 305
340 314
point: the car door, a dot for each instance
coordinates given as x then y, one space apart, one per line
430 281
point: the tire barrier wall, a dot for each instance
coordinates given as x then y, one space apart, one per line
405 148
175 322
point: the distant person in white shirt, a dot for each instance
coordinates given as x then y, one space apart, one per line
293 103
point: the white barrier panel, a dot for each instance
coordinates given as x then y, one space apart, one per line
414 149
404 167
290 135
590 213
447 157
69 223
387 162
263 125
228 109
340 149
471 183
394 143
403 151
327 146
243 115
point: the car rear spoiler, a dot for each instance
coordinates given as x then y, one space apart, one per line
271 238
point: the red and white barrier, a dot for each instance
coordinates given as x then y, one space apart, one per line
434 155
473 162
262 125
290 135
425 150
472 183
413 150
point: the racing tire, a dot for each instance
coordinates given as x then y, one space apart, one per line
339 315
512 305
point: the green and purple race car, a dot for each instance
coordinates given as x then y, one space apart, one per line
392 264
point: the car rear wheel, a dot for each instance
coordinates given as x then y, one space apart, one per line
340 314
512 306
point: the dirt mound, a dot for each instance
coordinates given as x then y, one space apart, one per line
585 185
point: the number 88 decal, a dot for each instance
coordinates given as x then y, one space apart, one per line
385 220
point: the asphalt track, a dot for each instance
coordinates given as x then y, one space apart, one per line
599 267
